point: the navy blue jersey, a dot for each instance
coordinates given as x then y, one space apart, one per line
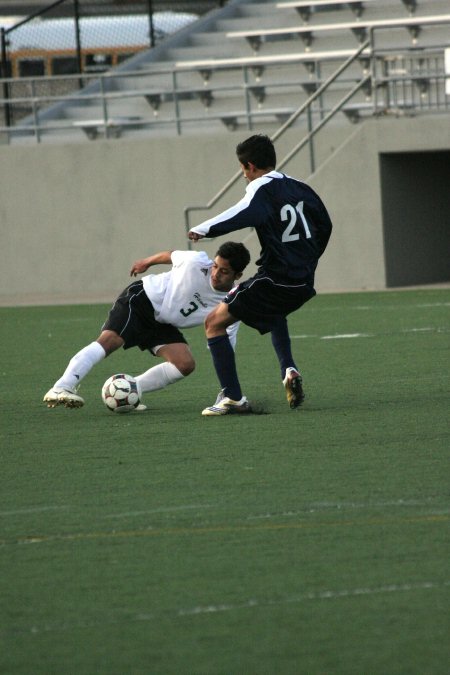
291 222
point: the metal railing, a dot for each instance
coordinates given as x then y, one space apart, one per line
408 81
7 35
68 37
306 140
399 83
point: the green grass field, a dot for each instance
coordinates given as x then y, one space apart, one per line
296 542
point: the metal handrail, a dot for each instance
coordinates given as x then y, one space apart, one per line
39 122
33 123
170 92
367 44
305 106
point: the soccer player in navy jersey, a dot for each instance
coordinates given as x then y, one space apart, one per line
293 228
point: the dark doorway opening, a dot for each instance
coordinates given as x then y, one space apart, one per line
415 189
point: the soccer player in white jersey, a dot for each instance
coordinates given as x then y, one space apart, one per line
149 313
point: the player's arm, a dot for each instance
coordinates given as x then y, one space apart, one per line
162 258
246 213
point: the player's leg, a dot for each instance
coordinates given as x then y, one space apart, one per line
224 361
179 363
281 342
263 304
290 374
64 391
119 321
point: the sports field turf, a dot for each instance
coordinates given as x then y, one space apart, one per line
294 542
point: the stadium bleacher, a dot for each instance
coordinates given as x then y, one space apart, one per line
205 73
306 7
359 28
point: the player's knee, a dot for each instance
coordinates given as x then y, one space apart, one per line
110 341
186 366
212 324
218 320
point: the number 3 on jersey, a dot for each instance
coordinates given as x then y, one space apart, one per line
192 308
291 215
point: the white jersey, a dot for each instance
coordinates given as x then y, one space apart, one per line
184 296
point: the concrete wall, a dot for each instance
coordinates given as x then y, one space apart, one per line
351 182
73 218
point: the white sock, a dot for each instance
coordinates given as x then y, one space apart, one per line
158 377
80 365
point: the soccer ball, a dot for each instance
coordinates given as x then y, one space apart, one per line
120 393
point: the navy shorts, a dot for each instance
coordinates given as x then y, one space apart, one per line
133 318
261 301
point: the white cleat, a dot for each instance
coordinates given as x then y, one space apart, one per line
226 406
63 396
140 408
220 396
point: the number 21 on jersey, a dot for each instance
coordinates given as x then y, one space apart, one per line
288 213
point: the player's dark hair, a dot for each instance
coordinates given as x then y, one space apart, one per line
236 254
259 150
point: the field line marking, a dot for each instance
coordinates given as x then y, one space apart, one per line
162 509
326 507
32 509
316 595
345 336
349 336
181 613
154 532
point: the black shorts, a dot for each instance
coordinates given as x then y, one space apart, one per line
133 318
261 301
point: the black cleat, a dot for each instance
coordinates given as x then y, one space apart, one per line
293 384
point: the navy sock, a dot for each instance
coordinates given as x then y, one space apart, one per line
225 364
282 345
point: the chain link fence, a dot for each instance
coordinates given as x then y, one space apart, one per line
70 37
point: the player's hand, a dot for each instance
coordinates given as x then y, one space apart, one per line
194 236
139 266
